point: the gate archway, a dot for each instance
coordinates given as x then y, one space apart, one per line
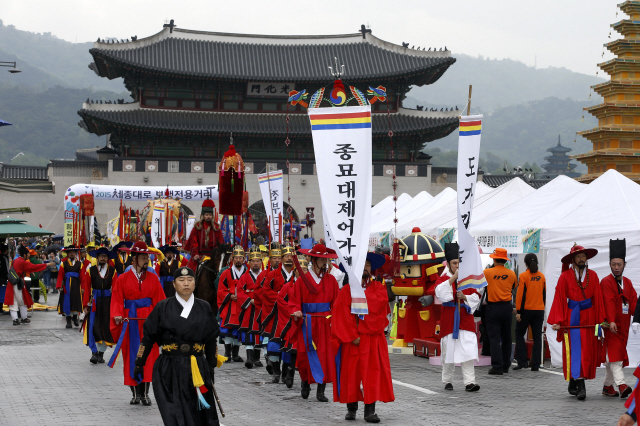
261 219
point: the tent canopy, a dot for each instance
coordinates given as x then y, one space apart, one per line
416 204
403 199
10 227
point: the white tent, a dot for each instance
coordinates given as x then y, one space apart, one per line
386 212
487 201
382 205
417 203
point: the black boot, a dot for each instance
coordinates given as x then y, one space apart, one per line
352 408
136 395
306 389
144 390
94 358
227 350
582 390
234 354
75 321
69 323
285 370
100 357
269 366
370 415
276 372
573 387
249 362
291 372
320 393
256 358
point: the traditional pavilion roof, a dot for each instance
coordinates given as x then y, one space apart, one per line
104 118
243 57
558 149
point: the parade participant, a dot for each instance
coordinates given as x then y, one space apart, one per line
17 297
229 306
500 283
69 283
531 299
186 330
271 289
167 267
362 355
205 235
576 310
96 299
458 340
5 264
312 301
620 300
133 297
122 260
248 314
271 262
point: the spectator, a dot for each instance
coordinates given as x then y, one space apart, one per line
499 310
5 264
55 258
530 302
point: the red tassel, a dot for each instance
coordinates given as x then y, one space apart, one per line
395 257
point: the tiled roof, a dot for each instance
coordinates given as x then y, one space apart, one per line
103 119
11 171
239 57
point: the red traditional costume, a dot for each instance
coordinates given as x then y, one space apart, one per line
274 282
228 308
578 303
204 237
70 275
368 362
134 296
22 267
314 297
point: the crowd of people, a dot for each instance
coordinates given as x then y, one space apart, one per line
290 307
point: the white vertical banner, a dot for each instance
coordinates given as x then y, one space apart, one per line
272 198
191 221
158 225
342 141
471 274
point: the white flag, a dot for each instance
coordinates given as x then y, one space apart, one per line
471 274
342 143
272 198
158 226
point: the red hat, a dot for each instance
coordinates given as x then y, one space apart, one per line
576 250
319 250
208 205
140 247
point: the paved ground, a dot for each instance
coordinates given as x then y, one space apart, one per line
46 379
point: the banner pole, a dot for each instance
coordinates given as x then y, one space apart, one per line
469 102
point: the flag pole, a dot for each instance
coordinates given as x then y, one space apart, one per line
456 283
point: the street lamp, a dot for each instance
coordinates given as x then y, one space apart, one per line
13 70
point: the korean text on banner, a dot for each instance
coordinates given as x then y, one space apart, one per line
272 197
342 141
471 273
158 226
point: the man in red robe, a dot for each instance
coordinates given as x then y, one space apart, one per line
620 300
229 305
312 302
246 299
274 256
271 289
133 297
17 297
362 356
205 235
576 311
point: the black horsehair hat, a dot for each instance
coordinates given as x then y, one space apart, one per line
451 251
618 249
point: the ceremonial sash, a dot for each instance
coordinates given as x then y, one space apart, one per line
314 362
575 337
456 315
66 306
91 341
166 279
134 333
338 367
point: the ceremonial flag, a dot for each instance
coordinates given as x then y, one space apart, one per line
342 141
471 273
272 197
190 224
158 225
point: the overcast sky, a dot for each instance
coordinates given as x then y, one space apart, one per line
559 33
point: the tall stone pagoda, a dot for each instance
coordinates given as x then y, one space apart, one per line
558 163
616 140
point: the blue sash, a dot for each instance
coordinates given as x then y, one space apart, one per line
66 305
575 335
314 361
91 341
134 333
166 279
456 315
338 367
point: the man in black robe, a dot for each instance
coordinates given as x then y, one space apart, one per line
186 329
